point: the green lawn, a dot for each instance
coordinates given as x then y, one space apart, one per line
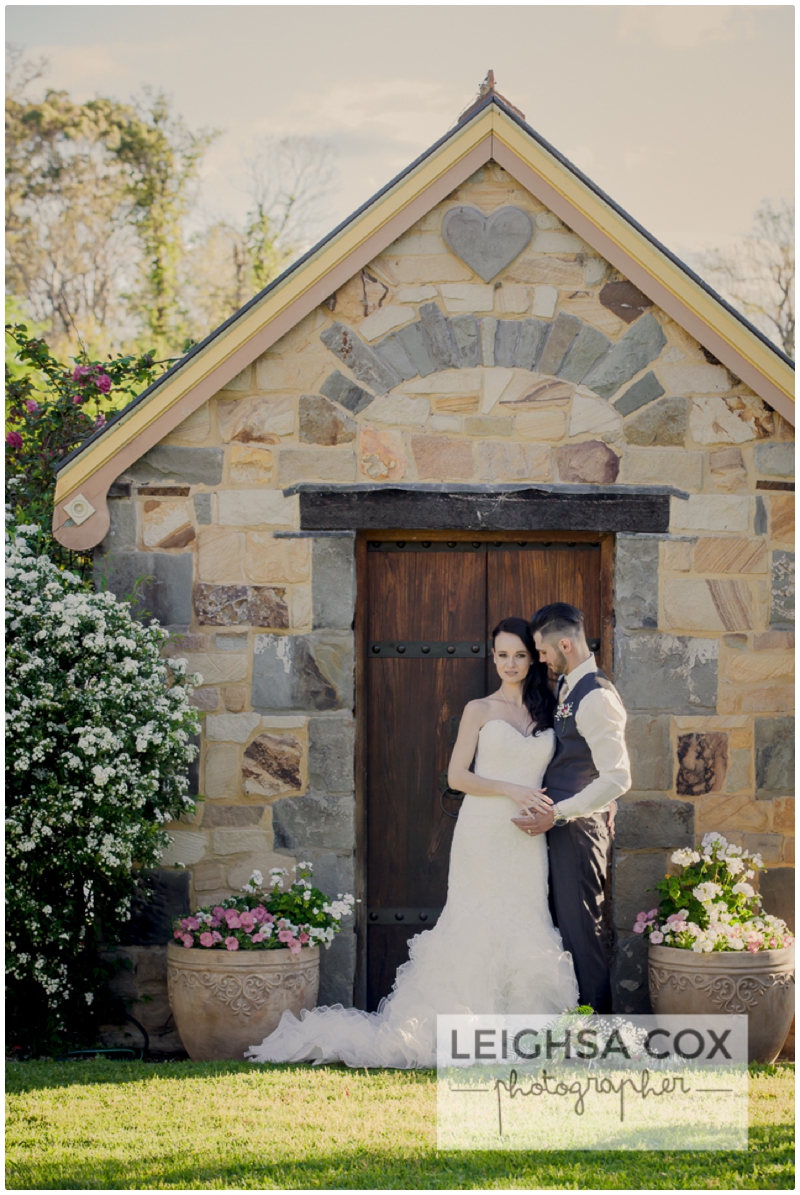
114 1125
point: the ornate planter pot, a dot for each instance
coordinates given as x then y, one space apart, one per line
761 985
226 1001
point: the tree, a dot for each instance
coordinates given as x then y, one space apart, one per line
756 274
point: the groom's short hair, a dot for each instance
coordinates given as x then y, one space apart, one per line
559 618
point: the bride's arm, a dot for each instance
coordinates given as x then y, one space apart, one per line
461 778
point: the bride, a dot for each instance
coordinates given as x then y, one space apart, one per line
494 948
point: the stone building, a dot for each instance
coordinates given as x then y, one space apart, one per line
487 389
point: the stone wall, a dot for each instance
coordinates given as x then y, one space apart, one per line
556 369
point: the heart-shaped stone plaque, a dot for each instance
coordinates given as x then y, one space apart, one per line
487 244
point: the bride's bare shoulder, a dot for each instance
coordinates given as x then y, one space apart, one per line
478 711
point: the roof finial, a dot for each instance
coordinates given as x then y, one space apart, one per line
487 88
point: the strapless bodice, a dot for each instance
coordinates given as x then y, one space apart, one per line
505 754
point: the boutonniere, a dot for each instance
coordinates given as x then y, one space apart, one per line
564 710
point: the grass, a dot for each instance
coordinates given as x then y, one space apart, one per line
97 1125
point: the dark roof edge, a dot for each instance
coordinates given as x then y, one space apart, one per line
491 99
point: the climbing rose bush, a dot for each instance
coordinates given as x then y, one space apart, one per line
711 904
98 744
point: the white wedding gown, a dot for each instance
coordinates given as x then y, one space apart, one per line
493 950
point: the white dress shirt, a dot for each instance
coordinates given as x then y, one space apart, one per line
601 719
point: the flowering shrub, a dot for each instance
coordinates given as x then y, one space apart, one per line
274 918
711 905
97 749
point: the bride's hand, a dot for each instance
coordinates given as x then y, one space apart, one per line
535 799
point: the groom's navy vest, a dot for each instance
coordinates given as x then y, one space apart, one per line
572 766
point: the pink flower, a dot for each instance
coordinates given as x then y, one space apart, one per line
638 927
247 921
232 919
231 944
216 937
294 947
31 407
285 935
303 938
188 940
656 937
269 918
259 914
14 440
257 938
80 372
752 947
218 911
100 421
206 939
652 913
77 399
178 933
214 922
192 923
103 383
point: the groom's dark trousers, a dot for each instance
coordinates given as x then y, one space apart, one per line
580 852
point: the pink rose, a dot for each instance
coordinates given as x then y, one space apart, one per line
231 944
80 372
100 421
188 940
232 918
103 383
31 407
14 440
206 939
77 399
247 921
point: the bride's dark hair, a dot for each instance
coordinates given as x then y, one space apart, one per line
536 692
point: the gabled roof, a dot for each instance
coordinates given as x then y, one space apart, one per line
491 131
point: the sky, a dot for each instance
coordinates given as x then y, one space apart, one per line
683 114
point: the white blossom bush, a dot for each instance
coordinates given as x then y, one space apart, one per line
98 743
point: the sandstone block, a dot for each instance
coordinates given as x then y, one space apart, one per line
315 819
545 424
711 512
728 470
663 422
663 466
667 672
782 595
647 737
221 772
750 668
774 641
194 466
299 368
384 320
249 465
588 348
428 268
775 460
236 840
774 698
774 748
731 813
512 299
301 606
234 815
229 605
781 518
303 672
707 605
345 392
645 391
684 378
592 415
185 847
216 668
634 877
334 583
636 582
441 458
206 699
654 822
783 818
253 508
702 763
715 420
738 778
513 462
271 765
591 462
257 420
563 332
382 455
220 555
399 410
230 728
445 423
449 381
316 464
194 430
729 555
546 271
544 301
677 555
558 242
412 243
208 877
485 425
322 422
161 518
467 297
638 347
415 294
269 560
488 332
235 698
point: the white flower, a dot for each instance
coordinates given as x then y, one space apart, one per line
743 889
707 891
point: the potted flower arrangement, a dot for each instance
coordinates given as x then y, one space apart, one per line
712 949
235 967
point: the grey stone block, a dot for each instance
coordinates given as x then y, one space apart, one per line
776 460
315 819
629 981
331 750
488 331
193 466
443 345
587 348
506 339
163 895
777 892
166 590
531 338
122 530
417 347
559 341
654 822
487 243
646 390
303 672
638 347
636 582
344 391
664 423
392 352
333 583
365 363
202 508
634 876
781 613
667 672
774 747
650 751
760 517
467 337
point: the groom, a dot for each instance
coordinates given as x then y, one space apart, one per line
589 770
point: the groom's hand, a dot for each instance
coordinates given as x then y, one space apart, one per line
531 822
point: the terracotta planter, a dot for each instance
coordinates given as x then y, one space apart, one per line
226 1001
761 985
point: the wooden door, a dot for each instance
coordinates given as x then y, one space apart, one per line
426 609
